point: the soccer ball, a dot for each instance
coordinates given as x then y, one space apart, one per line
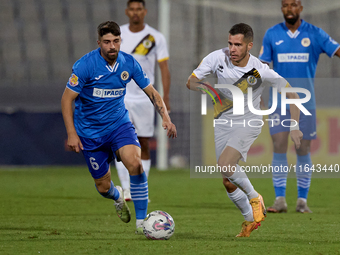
158 225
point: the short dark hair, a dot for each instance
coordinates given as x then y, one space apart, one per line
138 1
108 27
244 29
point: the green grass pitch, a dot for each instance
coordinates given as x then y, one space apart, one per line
57 210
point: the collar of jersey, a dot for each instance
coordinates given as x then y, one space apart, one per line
139 32
297 32
107 65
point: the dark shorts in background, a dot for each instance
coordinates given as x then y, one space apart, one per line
307 123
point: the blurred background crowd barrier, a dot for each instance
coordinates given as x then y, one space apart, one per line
41 39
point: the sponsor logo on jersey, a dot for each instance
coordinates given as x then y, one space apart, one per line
293 57
279 42
107 93
313 134
220 68
124 75
98 78
333 41
145 45
305 42
73 81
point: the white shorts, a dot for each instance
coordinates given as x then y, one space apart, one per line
236 136
142 115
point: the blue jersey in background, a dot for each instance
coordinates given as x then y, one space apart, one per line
99 107
295 55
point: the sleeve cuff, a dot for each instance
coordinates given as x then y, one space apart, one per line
162 59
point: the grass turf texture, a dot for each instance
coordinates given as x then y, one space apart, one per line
58 211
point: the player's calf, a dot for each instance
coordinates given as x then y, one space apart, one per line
139 194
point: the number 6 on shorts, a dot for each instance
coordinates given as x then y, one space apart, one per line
94 164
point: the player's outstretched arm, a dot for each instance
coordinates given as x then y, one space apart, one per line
73 140
159 104
194 84
295 133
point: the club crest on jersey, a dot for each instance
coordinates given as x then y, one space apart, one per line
305 42
147 43
124 75
145 75
251 80
73 81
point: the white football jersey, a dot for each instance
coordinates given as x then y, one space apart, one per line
147 47
255 74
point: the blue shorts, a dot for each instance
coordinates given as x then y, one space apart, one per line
307 123
99 152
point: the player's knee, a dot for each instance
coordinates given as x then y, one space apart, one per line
280 142
280 146
135 167
223 161
228 185
303 150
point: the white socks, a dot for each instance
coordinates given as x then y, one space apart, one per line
240 179
146 166
123 173
139 223
242 203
